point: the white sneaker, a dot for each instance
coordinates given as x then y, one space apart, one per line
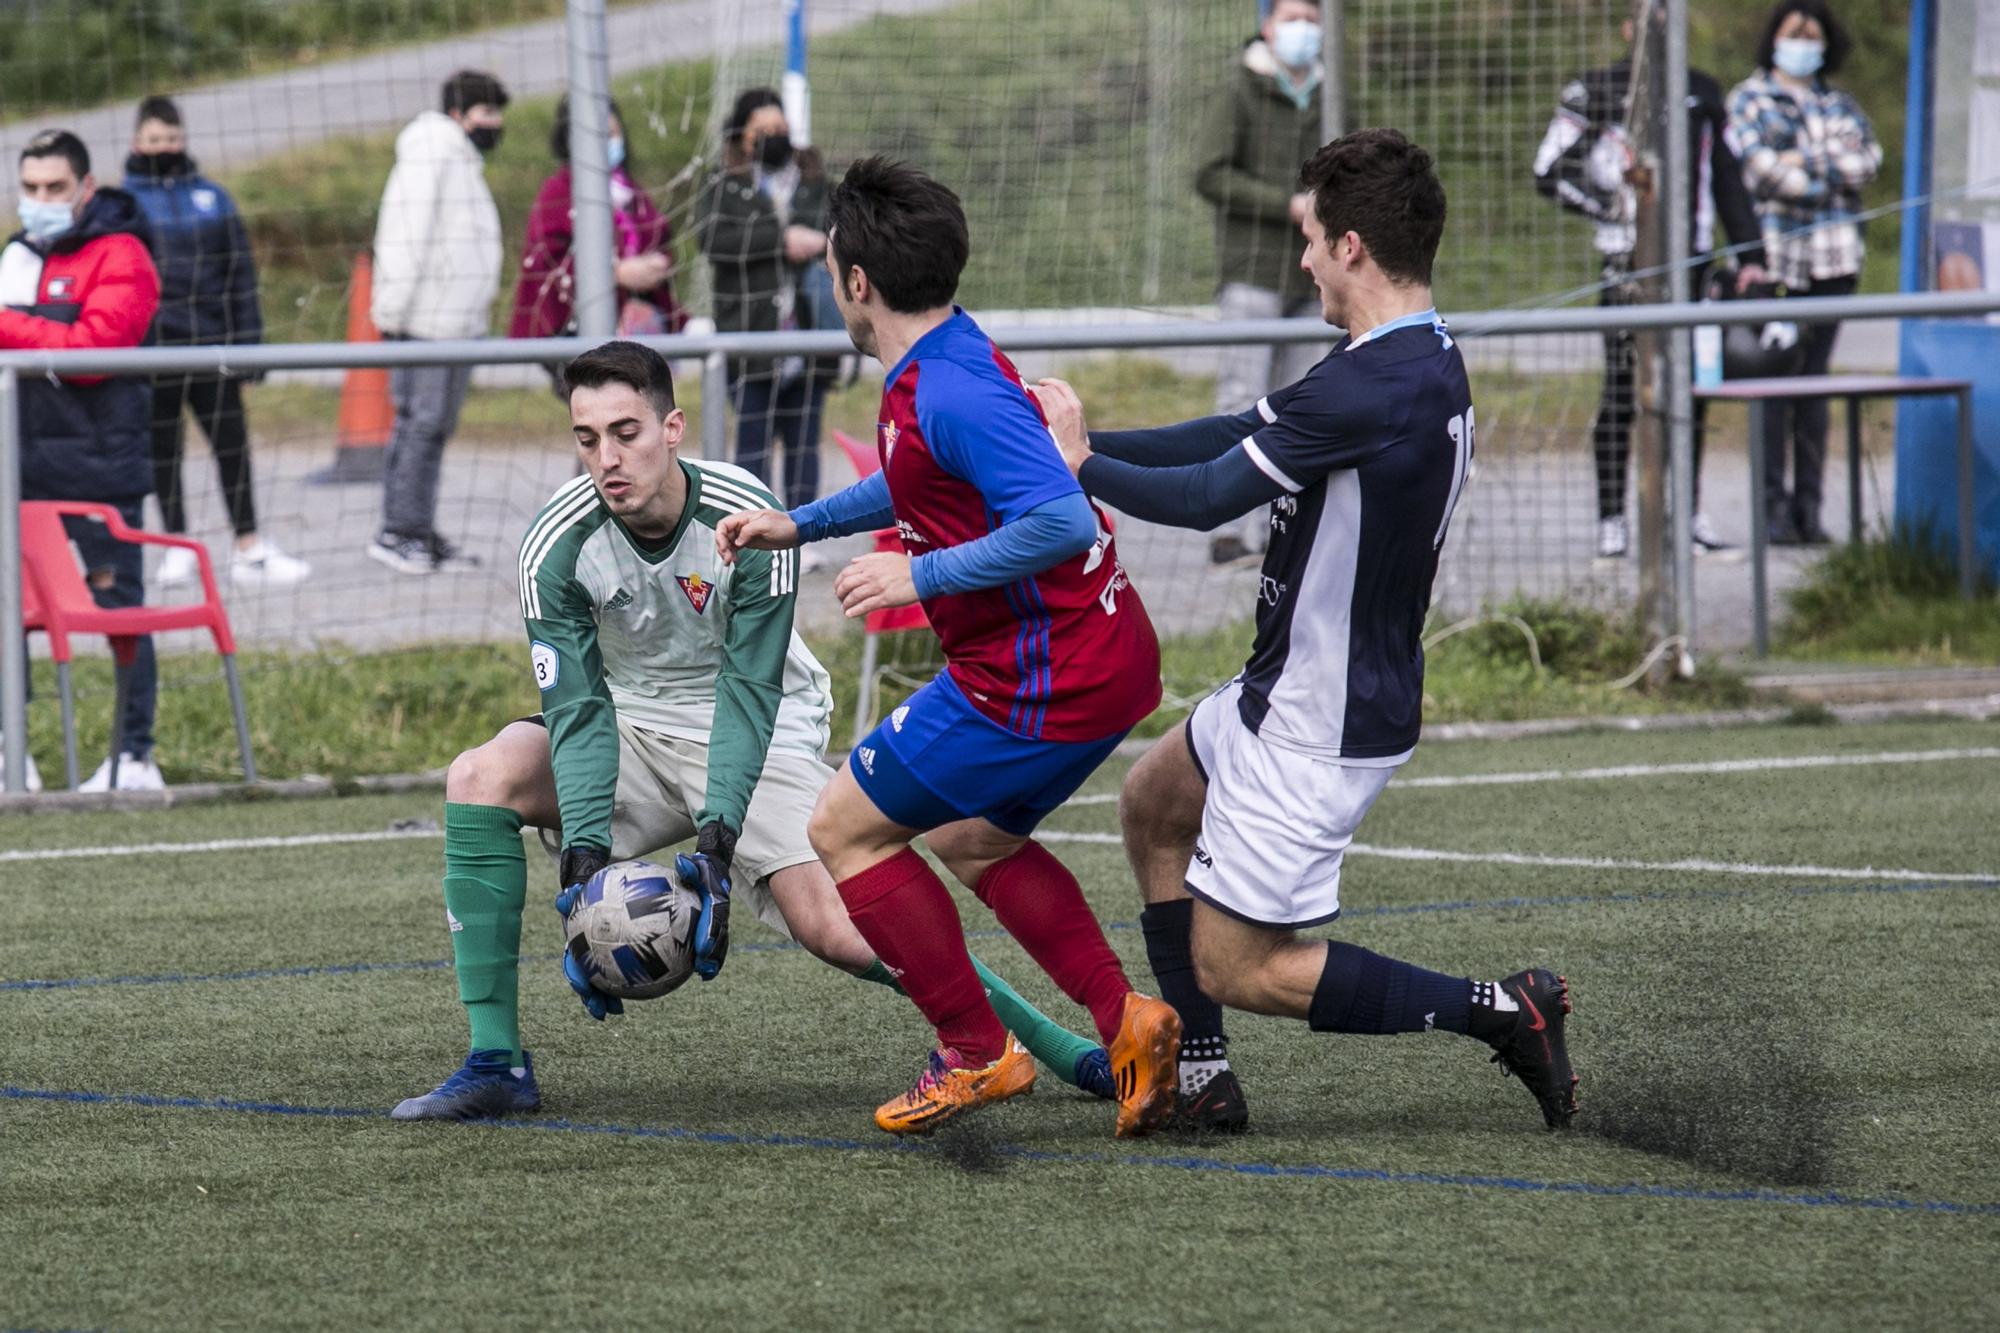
1611 538
34 777
263 565
1704 538
178 565
133 775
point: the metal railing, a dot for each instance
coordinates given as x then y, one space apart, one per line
1184 333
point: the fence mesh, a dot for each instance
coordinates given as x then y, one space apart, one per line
1073 129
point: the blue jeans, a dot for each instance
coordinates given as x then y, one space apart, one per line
790 409
127 563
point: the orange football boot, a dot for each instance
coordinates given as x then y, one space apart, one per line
947 1091
1145 1064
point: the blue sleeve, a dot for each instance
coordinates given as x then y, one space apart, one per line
988 433
1040 539
1198 495
1336 420
1195 441
862 507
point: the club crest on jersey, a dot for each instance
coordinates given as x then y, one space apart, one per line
698 590
897 718
886 430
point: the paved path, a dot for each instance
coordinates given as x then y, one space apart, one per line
1527 524
236 123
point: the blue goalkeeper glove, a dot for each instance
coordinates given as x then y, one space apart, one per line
706 873
578 867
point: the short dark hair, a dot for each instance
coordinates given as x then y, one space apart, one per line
903 229
1838 43
59 143
559 132
158 107
1384 189
473 87
638 367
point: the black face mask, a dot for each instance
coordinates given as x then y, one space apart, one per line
774 150
485 138
157 165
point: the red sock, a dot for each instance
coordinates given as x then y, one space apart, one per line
907 916
1041 905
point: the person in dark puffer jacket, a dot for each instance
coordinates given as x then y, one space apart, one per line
80 274
208 296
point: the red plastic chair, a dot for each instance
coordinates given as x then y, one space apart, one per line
894 619
59 604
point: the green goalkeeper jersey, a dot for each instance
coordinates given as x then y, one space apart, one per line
668 638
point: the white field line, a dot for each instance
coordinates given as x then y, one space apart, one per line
214 845
1774 764
1692 866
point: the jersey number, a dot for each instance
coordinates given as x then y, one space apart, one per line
1460 429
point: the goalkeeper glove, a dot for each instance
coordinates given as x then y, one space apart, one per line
580 865
706 873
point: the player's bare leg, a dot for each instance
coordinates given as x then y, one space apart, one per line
1039 902
491 791
905 913
1338 987
1159 811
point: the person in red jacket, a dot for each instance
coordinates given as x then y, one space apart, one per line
544 299
80 273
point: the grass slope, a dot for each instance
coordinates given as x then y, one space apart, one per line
1745 1083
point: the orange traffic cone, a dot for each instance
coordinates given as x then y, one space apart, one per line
367 413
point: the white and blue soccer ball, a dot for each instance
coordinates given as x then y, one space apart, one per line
632 929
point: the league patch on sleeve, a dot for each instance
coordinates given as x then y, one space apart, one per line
548 667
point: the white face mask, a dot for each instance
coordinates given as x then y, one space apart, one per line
43 220
1296 43
1799 57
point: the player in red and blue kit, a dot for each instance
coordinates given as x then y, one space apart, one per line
1050 661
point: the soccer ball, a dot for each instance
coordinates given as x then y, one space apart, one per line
632 929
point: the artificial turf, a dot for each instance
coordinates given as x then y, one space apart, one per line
1787 1113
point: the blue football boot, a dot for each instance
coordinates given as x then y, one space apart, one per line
487 1084
1093 1074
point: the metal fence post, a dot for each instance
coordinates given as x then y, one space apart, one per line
1675 197
596 301
1333 78
715 407
13 641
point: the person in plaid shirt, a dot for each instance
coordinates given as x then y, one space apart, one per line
1807 150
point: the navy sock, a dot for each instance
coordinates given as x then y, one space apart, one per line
1364 992
1168 950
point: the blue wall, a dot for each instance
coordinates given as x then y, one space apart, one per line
1927 433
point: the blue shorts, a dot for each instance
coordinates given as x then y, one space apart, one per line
937 760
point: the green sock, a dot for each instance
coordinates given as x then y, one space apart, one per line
1046 1040
485 888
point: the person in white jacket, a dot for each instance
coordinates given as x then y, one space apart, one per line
437 269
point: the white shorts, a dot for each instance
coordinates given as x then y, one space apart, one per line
1276 822
663 781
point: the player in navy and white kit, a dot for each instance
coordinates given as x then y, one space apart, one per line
1237 821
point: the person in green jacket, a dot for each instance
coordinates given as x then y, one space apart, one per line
1254 142
761 220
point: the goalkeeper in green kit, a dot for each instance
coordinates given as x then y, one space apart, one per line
677 700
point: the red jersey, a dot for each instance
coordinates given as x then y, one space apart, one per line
1064 655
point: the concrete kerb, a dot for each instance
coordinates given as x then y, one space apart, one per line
1979 709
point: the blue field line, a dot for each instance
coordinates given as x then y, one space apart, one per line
1202 1165
787 946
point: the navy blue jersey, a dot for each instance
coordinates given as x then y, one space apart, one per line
1372 449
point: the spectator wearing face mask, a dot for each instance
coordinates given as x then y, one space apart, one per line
437 270
208 297
79 274
761 220
1252 145
1807 151
641 236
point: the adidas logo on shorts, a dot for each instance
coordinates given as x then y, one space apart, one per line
867 757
